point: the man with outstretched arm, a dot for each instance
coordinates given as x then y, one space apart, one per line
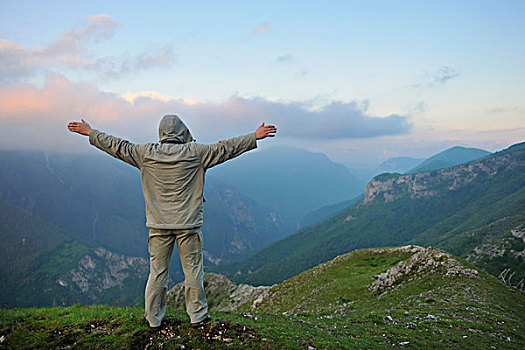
172 175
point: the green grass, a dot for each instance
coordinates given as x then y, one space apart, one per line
431 310
328 307
104 327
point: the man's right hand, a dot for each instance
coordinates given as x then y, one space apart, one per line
81 128
264 131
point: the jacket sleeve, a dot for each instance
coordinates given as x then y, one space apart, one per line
118 148
217 153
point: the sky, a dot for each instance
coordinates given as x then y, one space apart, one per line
360 81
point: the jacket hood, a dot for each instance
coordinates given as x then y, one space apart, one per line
173 130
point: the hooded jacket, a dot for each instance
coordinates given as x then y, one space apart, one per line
172 171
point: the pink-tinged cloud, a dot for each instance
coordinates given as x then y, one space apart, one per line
500 110
69 51
95 28
261 28
42 114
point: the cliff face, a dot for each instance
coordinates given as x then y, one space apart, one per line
96 276
389 187
102 270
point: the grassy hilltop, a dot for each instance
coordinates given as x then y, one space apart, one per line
409 297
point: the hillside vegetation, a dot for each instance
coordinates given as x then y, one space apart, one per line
374 298
73 229
44 266
435 208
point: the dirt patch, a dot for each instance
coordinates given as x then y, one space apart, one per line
175 334
184 337
227 332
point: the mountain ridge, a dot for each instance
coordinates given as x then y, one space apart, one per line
422 184
431 210
398 165
452 156
289 180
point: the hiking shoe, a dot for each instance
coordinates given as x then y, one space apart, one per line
157 327
201 323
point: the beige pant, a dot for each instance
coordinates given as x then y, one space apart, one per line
189 244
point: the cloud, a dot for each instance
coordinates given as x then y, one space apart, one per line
501 110
289 61
337 120
418 108
69 51
438 77
497 110
261 28
444 74
95 28
286 59
147 60
34 117
114 67
154 95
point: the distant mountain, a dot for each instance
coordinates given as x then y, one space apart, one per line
291 181
429 208
95 198
59 210
316 216
363 172
407 165
450 157
392 165
398 165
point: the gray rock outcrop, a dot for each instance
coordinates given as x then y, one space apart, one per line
423 262
221 293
